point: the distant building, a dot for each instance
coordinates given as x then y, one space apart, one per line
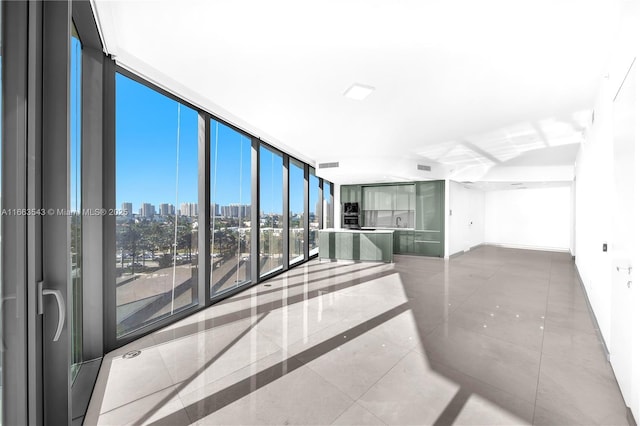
236 210
167 209
147 210
189 209
245 210
127 207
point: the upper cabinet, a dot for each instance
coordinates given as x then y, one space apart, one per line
430 205
405 197
350 194
389 197
379 197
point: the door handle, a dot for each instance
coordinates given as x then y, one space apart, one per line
621 268
3 347
62 310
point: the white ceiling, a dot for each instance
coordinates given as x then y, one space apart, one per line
498 90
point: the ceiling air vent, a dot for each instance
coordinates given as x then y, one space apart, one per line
328 165
425 168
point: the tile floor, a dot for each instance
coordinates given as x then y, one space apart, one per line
495 336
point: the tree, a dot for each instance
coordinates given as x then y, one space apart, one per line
129 236
184 235
158 238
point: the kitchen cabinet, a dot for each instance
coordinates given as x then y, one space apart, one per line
428 243
403 242
415 211
351 244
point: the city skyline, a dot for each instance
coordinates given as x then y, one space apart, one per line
191 209
135 208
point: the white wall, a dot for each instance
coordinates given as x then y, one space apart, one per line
594 190
572 224
595 199
635 300
529 218
466 225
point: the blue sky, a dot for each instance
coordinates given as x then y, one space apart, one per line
146 156
146 140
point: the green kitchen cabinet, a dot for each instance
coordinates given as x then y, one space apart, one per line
428 243
405 198
351 194
403 242
372 246
418 206
429 233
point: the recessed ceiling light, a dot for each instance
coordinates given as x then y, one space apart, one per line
358 91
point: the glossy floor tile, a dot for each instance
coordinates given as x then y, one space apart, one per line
495 336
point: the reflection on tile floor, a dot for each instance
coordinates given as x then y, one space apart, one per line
495 336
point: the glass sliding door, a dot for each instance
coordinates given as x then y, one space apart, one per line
296 211
156 196
230 208
315 211
75 193
14 339
271 201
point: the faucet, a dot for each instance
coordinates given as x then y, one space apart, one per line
398 220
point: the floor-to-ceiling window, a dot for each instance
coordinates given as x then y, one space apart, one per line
327 207
75 192
157 180
296 211
230 208
157 194
315 210
271 196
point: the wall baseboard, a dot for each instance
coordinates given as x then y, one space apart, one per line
630 418
527 247
461 252
592 314
457 254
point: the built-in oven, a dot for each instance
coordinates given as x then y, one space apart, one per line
351 216
351 222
